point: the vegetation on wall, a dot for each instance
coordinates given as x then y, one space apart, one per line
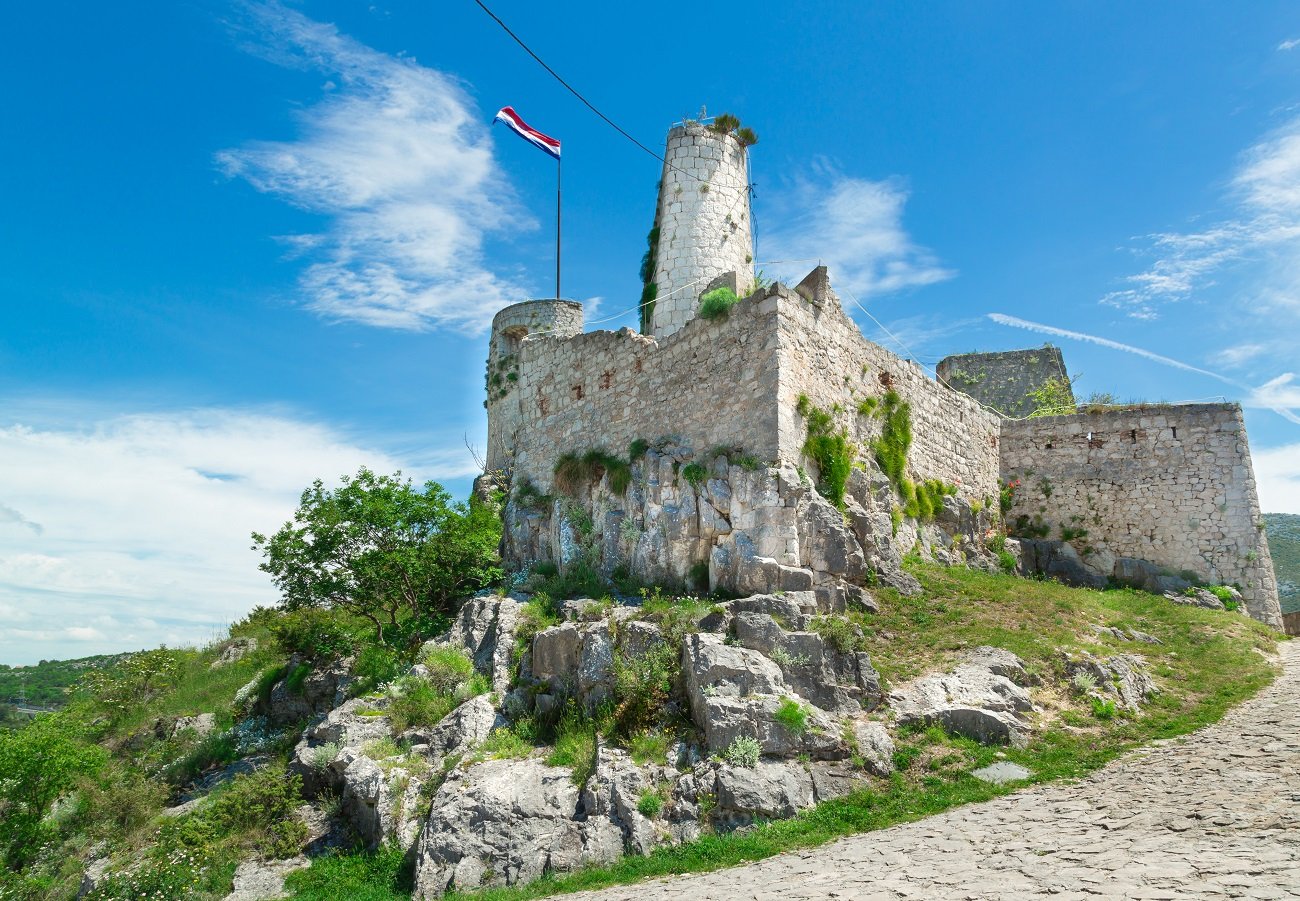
829 448
726 123
573 472
716 304
1053 398
649 290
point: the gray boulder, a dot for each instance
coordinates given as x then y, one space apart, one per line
1124 677
723 719
875 746
234 650
263 880
971 700
771 790
458 731
380 802
507 822
836 681
324 688
485 627
1196 597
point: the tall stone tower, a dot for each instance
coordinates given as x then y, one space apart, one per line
703 219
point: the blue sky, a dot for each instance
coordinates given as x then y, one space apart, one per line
247 245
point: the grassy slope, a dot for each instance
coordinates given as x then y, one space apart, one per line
1208 663
1284 544
47 681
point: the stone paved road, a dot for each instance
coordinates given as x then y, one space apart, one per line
1212 815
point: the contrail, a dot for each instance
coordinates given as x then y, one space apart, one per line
1004 319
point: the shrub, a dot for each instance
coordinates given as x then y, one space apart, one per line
448 667
829 449
743 751
792 715
1083 681
838 631
297 676
1104 708
323 756
695 473
504 743
262 808
636 450
716 304
895 441
313 633
1006 561
573 472
419 704
650 803
575 744
376 665
643 684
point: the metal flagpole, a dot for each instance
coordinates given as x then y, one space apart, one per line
557 228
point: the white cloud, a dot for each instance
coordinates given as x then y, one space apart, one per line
147 520
1238 354
1277 477
1279 395
399 161
1264 230
1289 44
854 226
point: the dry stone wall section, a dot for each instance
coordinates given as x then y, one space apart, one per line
1004 380
1172 485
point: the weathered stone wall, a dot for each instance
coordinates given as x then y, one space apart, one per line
1003 380
704 222
825 356
555 319
711 383
1171 485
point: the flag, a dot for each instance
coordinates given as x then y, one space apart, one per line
531 135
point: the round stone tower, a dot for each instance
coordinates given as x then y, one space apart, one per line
534 320
704 222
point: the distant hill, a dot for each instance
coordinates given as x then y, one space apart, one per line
1284 543
47 680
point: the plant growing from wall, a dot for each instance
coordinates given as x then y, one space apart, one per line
1053 398
649 290
695 473
829 449
573 472
726 123
716 304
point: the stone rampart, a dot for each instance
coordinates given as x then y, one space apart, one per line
825 356
1170 485
1005 379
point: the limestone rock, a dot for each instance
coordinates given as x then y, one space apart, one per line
507 822
379 802
234 650
972 700
263 880
874 746
1124 676
723 719
346 726
458 731
1196 597
771 790
324 688
485 628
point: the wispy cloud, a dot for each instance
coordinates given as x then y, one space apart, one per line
400 164
1239 354
10 516
1264 228
147 520
1289 44
1277 477
854 226
1279 395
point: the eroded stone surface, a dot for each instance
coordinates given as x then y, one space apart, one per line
1210 816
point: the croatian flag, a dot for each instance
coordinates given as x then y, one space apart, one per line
531 135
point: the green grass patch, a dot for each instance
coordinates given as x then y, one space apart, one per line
716 304
829 448
379 876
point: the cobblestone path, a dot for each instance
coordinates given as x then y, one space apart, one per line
1212 815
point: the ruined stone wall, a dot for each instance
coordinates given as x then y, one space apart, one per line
1004 380
704 222
825 356
710 383
1172 485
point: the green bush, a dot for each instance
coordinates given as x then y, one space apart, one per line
839 632
449 668
643 684
262 809
575 743
649 746
716 304
792 715
573 472
297 676
1104 708
376 665
743 751
314 633
895 441
650 803
829 449
695 473
419 705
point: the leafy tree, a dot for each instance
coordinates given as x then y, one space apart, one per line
38 764
134 681
381 549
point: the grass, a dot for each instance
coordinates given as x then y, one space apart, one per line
829 449
717 303
792 715
380 876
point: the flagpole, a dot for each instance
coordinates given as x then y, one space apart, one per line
557 228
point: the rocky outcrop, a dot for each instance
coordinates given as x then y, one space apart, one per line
507 822
263 880
320 691
233 651
485 628
978 699
1124 677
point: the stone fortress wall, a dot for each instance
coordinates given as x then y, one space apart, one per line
1005 379
825 356
1170 485
735 382
704 223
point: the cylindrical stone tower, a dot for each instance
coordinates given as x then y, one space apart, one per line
535 320
703 219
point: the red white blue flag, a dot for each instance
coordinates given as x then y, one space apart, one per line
531 135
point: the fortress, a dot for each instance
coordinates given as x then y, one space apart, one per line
774 447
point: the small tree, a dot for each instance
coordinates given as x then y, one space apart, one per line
381 549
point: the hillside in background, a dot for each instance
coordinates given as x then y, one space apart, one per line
1284 543
47 681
